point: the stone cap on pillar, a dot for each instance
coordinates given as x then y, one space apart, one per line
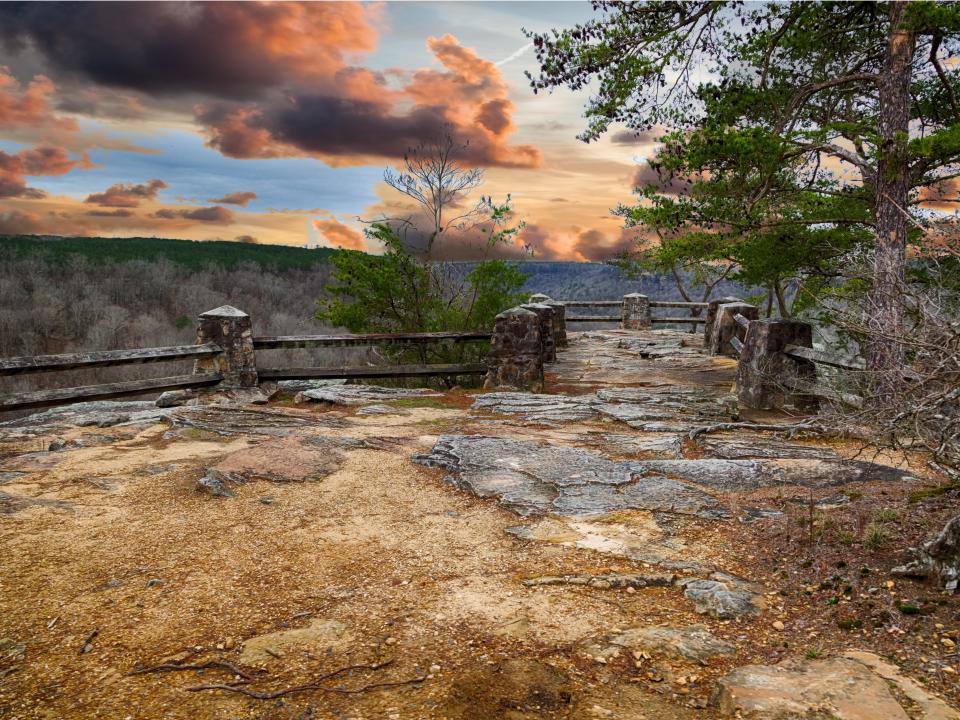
634 295
539 298
521 311
224 311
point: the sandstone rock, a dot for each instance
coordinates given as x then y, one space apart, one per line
531 478
839 688
606 582
380 410
317 637
693 643
89 413
756 448
724 596
235 420
364 394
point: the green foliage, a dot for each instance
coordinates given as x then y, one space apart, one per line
194 255
769 160
397 292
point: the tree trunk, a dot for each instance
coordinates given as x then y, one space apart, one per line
885 351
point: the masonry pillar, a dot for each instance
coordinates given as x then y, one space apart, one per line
725 327
766 377
230 329
636 312
711 317
515 361
559 322
559 317
546 315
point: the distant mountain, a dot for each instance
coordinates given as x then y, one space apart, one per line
560 280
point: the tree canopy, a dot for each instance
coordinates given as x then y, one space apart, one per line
803 130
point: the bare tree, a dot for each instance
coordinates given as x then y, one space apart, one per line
435 176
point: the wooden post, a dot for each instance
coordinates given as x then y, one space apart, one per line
766 376
712 317
515 361
547 336
636 312
230 329
725 327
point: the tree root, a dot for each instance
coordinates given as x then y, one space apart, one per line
315 685
175 667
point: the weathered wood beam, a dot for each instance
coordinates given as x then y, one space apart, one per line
66 396
74 361
736 344
594 318
688 320
741 321
386 371
308 341
678 304
592 303
823 357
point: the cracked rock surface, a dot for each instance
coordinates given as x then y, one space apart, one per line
530 478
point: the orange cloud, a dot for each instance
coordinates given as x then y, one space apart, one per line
126 195
361 118
339 235
42 160
236 198
215 215
29 107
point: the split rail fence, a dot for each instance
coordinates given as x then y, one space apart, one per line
776 360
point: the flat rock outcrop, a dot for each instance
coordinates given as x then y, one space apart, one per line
531 478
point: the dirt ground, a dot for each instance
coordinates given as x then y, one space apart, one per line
399 596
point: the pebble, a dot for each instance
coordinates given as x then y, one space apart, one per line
434 668
777 625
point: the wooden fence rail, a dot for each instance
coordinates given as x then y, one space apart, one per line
272 342
76 361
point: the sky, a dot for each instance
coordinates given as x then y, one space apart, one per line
275 122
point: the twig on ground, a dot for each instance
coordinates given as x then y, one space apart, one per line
87 645
176 667
316 685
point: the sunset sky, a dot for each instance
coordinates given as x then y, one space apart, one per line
225 120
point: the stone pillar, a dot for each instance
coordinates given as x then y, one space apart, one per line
636 312
725 327
515 361
546 315
559 322
766 377
230 329
712 317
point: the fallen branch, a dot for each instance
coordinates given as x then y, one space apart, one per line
315 685
791 429
175 667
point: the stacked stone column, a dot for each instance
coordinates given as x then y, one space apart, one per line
559 318
230 329
635 314
546 315
711 317
767 378
515 361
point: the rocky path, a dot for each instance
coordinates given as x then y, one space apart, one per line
600 551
